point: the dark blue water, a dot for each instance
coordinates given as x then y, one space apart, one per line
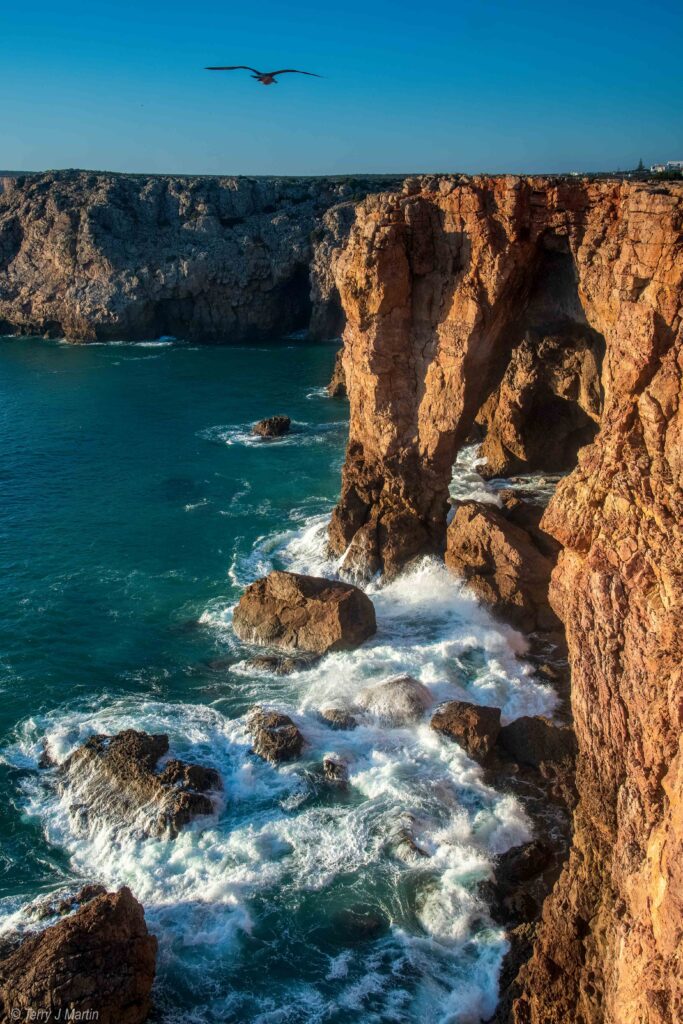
135 506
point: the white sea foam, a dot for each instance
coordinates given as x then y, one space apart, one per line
301 434
273 842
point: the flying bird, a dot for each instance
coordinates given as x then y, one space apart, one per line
265 77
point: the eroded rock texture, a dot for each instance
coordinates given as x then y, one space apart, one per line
304 613
116 778
98 964
109 256
542 307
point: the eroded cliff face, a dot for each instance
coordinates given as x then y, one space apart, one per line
105 256
547 309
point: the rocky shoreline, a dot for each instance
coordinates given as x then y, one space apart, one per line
543 317
548 312
100 257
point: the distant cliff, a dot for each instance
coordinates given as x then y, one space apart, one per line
95 256
551 313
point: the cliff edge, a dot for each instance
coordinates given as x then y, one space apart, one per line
550 312
93 256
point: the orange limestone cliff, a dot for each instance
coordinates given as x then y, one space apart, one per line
549 314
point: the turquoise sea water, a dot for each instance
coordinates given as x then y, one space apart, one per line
135 506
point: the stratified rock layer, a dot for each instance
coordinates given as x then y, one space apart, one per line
98 964
438 285
121 256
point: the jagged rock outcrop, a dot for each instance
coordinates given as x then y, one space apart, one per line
550 379
94 256
536 740
276 737
116 777
337 386
438 285
502 564
474 727
304 613
98 964
272 426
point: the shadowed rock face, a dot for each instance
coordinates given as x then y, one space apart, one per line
502 564
304 613
102 959
438 285
109 256
115 777
276 738
273 426
474 727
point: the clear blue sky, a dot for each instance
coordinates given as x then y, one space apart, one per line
444 85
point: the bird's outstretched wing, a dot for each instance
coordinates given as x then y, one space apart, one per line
234 67
293 71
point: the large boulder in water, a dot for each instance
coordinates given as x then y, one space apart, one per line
273 426
275 736
398 702
536 740
115 777
98 964
305 613
474 727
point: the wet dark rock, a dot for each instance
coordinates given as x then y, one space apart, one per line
516 893
358 924
279 666
403 840
535 740
100 961
64 902
275 736
397 702
474 727
116 777
335 770
338 718
521 863
273 426
304 613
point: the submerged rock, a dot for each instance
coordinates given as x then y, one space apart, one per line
338 718
304 613
360 924
275 736
335 769
100 961
396 702
116 777
278 665
473 726
63 902
535 740
273 426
